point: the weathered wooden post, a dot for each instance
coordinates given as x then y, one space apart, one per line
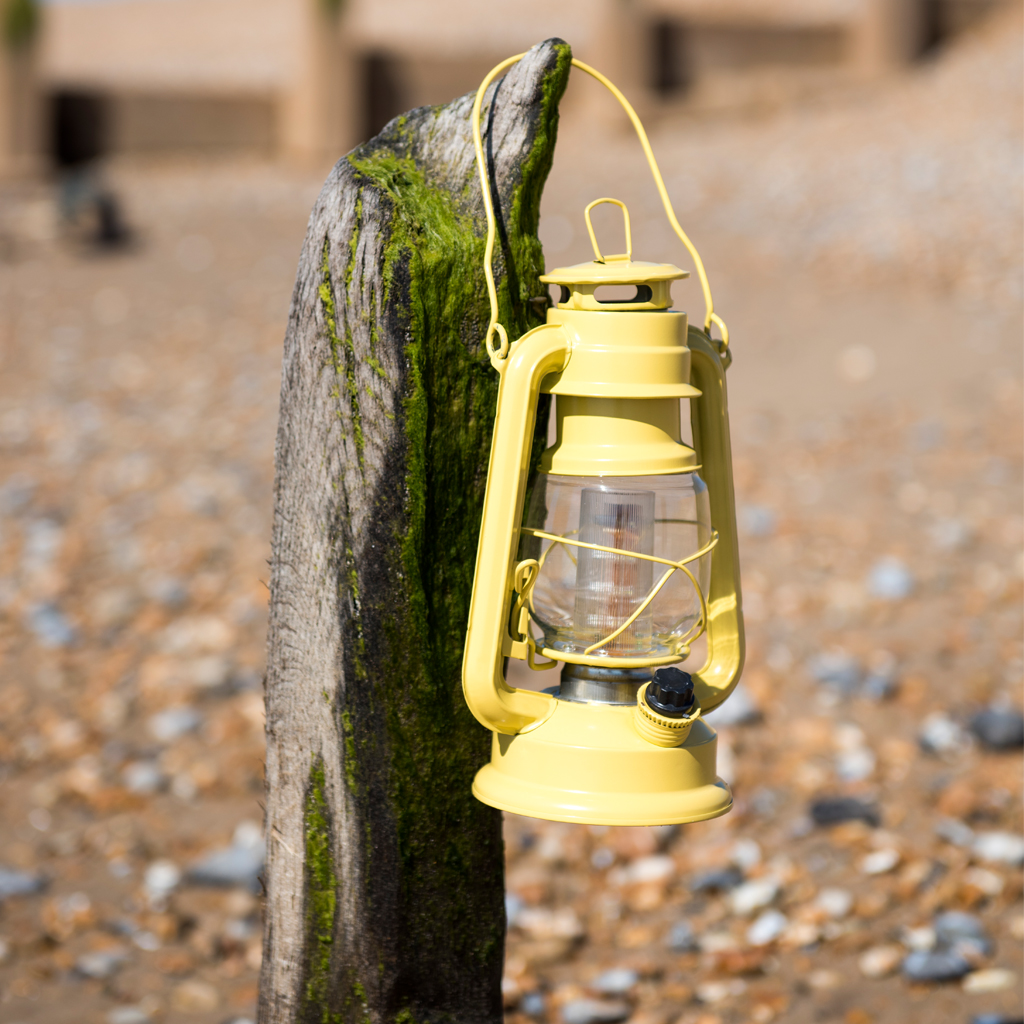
385 876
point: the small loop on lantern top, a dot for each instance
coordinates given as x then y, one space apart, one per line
628 254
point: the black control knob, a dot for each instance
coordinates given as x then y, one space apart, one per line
670 692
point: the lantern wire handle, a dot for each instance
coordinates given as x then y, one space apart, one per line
498 353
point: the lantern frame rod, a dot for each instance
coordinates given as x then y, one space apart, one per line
498 353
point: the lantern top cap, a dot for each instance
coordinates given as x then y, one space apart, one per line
614 270
618 269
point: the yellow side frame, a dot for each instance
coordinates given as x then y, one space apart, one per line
495 704
709 423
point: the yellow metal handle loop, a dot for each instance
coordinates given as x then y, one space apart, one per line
628 254
498 353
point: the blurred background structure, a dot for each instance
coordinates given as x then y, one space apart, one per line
309 78
851 171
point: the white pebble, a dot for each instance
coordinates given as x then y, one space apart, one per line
879 961
822 980
985 881
800 934
999 848
658 868
994 979
941 735
753 895
855 765
837 903
880 862
248 835
542 923
719 991
848 736
615 982
767 928
890 580
717 942
920 939
161 877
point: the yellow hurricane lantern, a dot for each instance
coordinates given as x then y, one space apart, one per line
626 554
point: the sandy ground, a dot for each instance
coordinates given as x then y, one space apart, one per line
866 254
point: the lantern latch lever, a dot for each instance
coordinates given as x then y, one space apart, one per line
523 579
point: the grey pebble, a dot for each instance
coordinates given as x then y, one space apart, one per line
682 938
19 883
963 931
935 965
100 965
995 1018
836 669
51 626
169 725
532 1004
717 880
143 777
954 831
835 810
880 682
594 1011
999 728
229 866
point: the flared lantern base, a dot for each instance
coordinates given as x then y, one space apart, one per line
586 763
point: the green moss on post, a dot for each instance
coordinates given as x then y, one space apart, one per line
321 897
343 355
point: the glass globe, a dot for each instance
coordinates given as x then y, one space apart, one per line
583 595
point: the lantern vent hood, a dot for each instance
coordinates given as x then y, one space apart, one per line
580 283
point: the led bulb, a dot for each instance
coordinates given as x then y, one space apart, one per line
581 595
610 587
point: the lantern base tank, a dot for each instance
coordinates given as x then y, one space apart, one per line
586 763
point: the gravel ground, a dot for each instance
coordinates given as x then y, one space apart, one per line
866 252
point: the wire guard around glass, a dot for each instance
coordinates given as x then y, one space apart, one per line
682 645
